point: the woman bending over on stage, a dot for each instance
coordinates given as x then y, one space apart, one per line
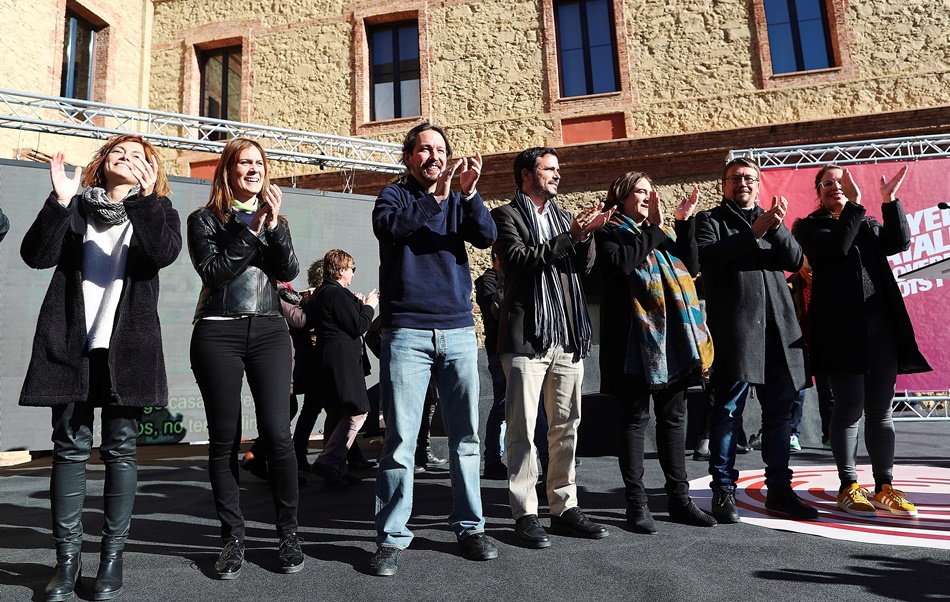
241 247
98 342
859 332
654 341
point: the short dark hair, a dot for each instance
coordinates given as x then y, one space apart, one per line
315 274
410 142
623 186
742 162
528 159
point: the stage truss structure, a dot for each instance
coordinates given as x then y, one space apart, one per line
864 151
88 119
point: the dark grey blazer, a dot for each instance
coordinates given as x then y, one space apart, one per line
516 325
745 286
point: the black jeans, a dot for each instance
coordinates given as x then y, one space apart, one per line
222 351
669 405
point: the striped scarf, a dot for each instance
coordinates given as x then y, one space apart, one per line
550 307
668 338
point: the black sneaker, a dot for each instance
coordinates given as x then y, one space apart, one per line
690 514
640 519
495 471
724 508
384 560
230 561
289 554
786 501
478 546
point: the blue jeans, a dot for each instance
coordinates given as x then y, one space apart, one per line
725 417
409 357
495 425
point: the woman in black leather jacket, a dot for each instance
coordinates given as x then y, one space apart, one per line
240 247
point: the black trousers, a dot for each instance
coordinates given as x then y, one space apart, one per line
72 447
669 405
222 351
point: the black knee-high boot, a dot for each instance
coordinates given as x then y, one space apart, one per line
118 500
67 494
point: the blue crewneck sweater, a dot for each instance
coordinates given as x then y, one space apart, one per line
424 277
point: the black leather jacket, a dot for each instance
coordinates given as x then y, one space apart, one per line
238 269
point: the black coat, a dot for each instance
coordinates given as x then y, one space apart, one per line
339 321
617 260
739 271
516 328
59 366
838 250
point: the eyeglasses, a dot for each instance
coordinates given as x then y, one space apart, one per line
829 183
740 179
353 267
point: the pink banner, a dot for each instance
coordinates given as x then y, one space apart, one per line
928 301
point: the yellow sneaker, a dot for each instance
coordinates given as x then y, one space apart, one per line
894 502
854 500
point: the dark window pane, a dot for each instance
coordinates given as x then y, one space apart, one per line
602 70
394 76
569 26
234 86
598 22
776 11
78 59
213 86
409 42
809 9
782 49
573 77
814 46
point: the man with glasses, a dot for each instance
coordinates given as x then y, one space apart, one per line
744 251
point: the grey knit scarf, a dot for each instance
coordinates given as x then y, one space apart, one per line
97 204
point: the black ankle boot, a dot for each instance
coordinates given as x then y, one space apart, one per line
61 586
109 578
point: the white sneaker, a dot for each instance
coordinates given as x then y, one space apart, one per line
793 444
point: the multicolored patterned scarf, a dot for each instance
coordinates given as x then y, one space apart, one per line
551 324
668 337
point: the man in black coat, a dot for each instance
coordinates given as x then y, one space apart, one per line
744 252
543 335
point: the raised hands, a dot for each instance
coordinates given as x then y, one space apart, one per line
443 186
64 187
471 171
588 220
145 173
267 210
654 209
686 206
889 187
771 219
850 188
372 299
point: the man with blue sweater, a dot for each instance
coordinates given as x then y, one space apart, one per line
425 288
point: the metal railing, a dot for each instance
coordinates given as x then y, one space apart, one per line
71 117
865 151
909 407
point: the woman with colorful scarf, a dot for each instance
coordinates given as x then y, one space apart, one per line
98 342
654 341
240 247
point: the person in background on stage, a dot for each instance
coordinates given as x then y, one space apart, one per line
653 339
98 342
339 366
4 225
488 295
240 247
859 332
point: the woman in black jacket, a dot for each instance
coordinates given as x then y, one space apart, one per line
654 341
240 247
859 331
340 319
98 341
